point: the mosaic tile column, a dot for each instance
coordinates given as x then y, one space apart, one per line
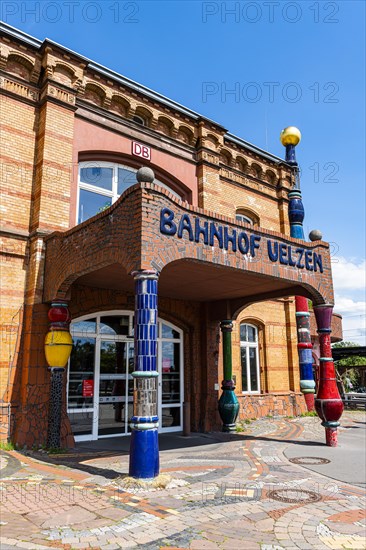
58 345
328 403
228 402
290 137
144 446
305 348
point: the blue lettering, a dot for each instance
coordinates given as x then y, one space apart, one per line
216 233
290 260
300 252
229 239
167 226
308 260
185 225
273 254
318 262
283 251
254 243
198 230
243 248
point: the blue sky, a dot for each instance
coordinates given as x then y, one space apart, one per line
285 63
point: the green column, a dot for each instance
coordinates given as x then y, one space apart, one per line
228 402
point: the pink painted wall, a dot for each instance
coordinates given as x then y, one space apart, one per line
90 138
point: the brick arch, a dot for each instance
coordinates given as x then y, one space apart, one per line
63 286
249 212
226 157
165 125
241 164
185 134
95 93
211 142
237 306
256 170
64 73
93 245
145 114
120 105
19 65
270 176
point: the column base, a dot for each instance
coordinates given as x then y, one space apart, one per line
229 428
331 437
310 401
228 409
144 454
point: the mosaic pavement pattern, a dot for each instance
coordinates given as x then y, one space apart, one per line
241 492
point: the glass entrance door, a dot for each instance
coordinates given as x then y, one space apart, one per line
81 382
170 379
100 383
115 388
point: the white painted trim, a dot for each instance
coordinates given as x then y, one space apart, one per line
253 345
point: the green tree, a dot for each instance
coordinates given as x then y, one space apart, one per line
347 373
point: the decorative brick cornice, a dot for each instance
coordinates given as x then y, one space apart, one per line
18 88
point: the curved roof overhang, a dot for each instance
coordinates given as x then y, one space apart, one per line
200 255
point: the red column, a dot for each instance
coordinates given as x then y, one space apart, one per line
328 403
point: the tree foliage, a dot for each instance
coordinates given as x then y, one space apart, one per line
351 375
352 361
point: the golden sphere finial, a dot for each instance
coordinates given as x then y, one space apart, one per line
290 136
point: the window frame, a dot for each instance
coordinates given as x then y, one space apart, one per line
250 345
243 218
139 120
111 194
247 216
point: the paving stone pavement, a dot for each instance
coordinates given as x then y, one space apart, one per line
240 491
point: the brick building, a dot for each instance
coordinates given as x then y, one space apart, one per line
75 225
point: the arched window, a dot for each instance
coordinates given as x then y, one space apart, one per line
243 218
100 185
139 120
249 358
246 216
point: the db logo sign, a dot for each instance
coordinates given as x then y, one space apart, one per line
140 150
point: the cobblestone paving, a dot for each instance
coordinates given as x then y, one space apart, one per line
241 492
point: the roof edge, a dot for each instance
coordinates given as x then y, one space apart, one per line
156 96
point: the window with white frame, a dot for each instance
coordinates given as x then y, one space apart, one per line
100 185
247 216
249 358
243 218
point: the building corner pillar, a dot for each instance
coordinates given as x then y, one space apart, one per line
328 403
228 402
144 445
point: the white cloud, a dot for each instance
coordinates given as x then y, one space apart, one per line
347 274
346 306
354 319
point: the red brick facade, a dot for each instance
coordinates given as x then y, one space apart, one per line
60 109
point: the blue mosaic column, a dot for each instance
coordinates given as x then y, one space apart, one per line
144 446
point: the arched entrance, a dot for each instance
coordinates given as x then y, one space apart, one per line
100 383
